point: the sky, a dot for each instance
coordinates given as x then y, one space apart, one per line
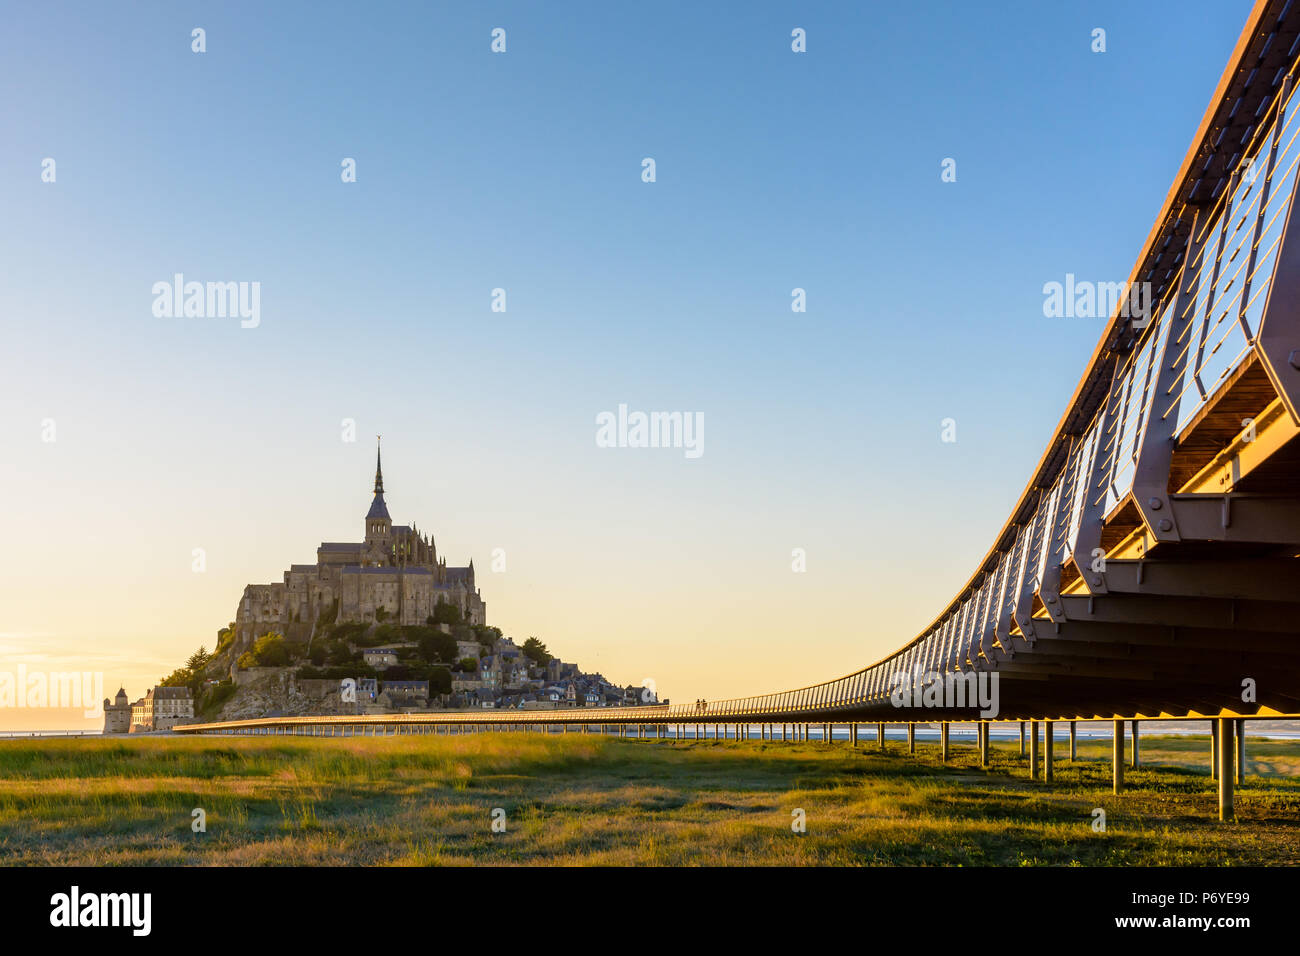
128 440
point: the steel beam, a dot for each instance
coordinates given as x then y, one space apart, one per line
1154 445
1226 774
1241 751
1117 757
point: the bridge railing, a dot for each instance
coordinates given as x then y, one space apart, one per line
1235 249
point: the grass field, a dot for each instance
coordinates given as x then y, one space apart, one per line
590 800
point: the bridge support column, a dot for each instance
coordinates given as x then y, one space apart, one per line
1022 738
1136 754
1074 740
1033 750
880 736
853 734
1049 739
1226 727
943 741
1241 751
911 738
1117 755
1214 750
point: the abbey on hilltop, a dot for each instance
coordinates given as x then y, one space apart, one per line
394 575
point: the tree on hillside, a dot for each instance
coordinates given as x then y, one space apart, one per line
439 681
536 651
444 613
198 660
339 654
181 677
437 646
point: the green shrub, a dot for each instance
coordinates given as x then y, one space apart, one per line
350 631
271 650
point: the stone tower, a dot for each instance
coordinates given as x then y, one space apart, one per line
117 715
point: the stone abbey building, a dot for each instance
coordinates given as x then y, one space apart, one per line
394 575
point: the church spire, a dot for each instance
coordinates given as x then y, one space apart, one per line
378 510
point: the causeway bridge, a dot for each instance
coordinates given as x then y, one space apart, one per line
1151 567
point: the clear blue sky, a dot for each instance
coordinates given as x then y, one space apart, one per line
523 171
